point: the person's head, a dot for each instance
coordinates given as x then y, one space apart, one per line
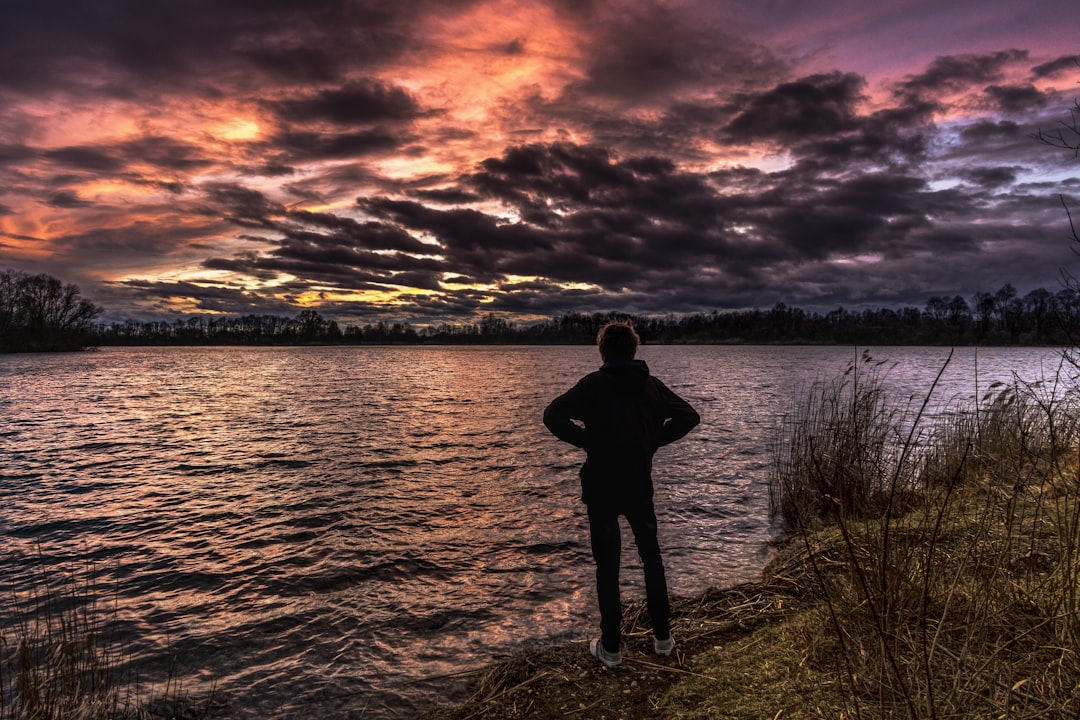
618 341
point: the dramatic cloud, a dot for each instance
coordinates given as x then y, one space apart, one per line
431 161
352 104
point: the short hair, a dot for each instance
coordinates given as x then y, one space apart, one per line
618 341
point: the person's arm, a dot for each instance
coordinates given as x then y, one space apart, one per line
682 418
560 415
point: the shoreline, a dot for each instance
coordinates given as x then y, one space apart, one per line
565 680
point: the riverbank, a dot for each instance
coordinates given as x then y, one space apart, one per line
770 650
938 577
720 667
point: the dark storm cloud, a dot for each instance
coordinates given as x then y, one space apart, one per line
952 73
1056 67
877 140
536 177
990 177
297 64
1016 98
866 214
206 297
344 267
322 249
583 246
642 233
355 103
368 235
66 199
158 46
15 154
244 264
119 161
317 265
627 220
318 250
589 190
336 181
638 225
641 51
302 146
84 158
446 196
991 130
819 105
269 169
514 47
165 153
473 240
241 205
122 161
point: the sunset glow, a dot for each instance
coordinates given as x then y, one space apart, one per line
425 162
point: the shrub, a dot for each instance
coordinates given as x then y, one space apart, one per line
961 600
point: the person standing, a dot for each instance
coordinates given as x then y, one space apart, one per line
620 415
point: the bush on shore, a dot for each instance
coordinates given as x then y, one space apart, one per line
946 553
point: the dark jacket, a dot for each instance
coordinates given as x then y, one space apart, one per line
627 415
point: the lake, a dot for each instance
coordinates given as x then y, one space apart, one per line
334 531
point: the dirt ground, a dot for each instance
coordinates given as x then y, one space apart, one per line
567 682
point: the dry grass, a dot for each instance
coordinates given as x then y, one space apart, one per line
961 600
59 661
932 571
566 681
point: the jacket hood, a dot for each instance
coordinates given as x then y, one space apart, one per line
626 369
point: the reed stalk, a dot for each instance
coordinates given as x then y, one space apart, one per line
60 660
955 580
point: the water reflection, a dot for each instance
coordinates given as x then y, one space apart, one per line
325 527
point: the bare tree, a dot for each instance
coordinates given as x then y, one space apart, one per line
1066 136
38 312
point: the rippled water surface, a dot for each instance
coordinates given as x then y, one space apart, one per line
332 530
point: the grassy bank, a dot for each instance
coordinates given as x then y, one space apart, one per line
932 571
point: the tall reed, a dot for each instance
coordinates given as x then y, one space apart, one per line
60 660
946 552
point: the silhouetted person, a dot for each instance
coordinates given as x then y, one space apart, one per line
623 415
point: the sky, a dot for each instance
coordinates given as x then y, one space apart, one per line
438 160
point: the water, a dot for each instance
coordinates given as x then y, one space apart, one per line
333 531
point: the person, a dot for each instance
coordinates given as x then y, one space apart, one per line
620 415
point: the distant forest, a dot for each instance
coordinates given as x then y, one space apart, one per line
40 313
1040 317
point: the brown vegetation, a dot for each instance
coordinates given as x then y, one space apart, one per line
932 571
58 661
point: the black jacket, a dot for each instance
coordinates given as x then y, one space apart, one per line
627 415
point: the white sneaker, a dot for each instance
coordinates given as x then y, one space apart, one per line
663 647
609 659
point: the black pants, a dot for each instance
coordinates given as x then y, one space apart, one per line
606 550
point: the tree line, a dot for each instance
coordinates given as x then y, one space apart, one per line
39 313
1040 317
